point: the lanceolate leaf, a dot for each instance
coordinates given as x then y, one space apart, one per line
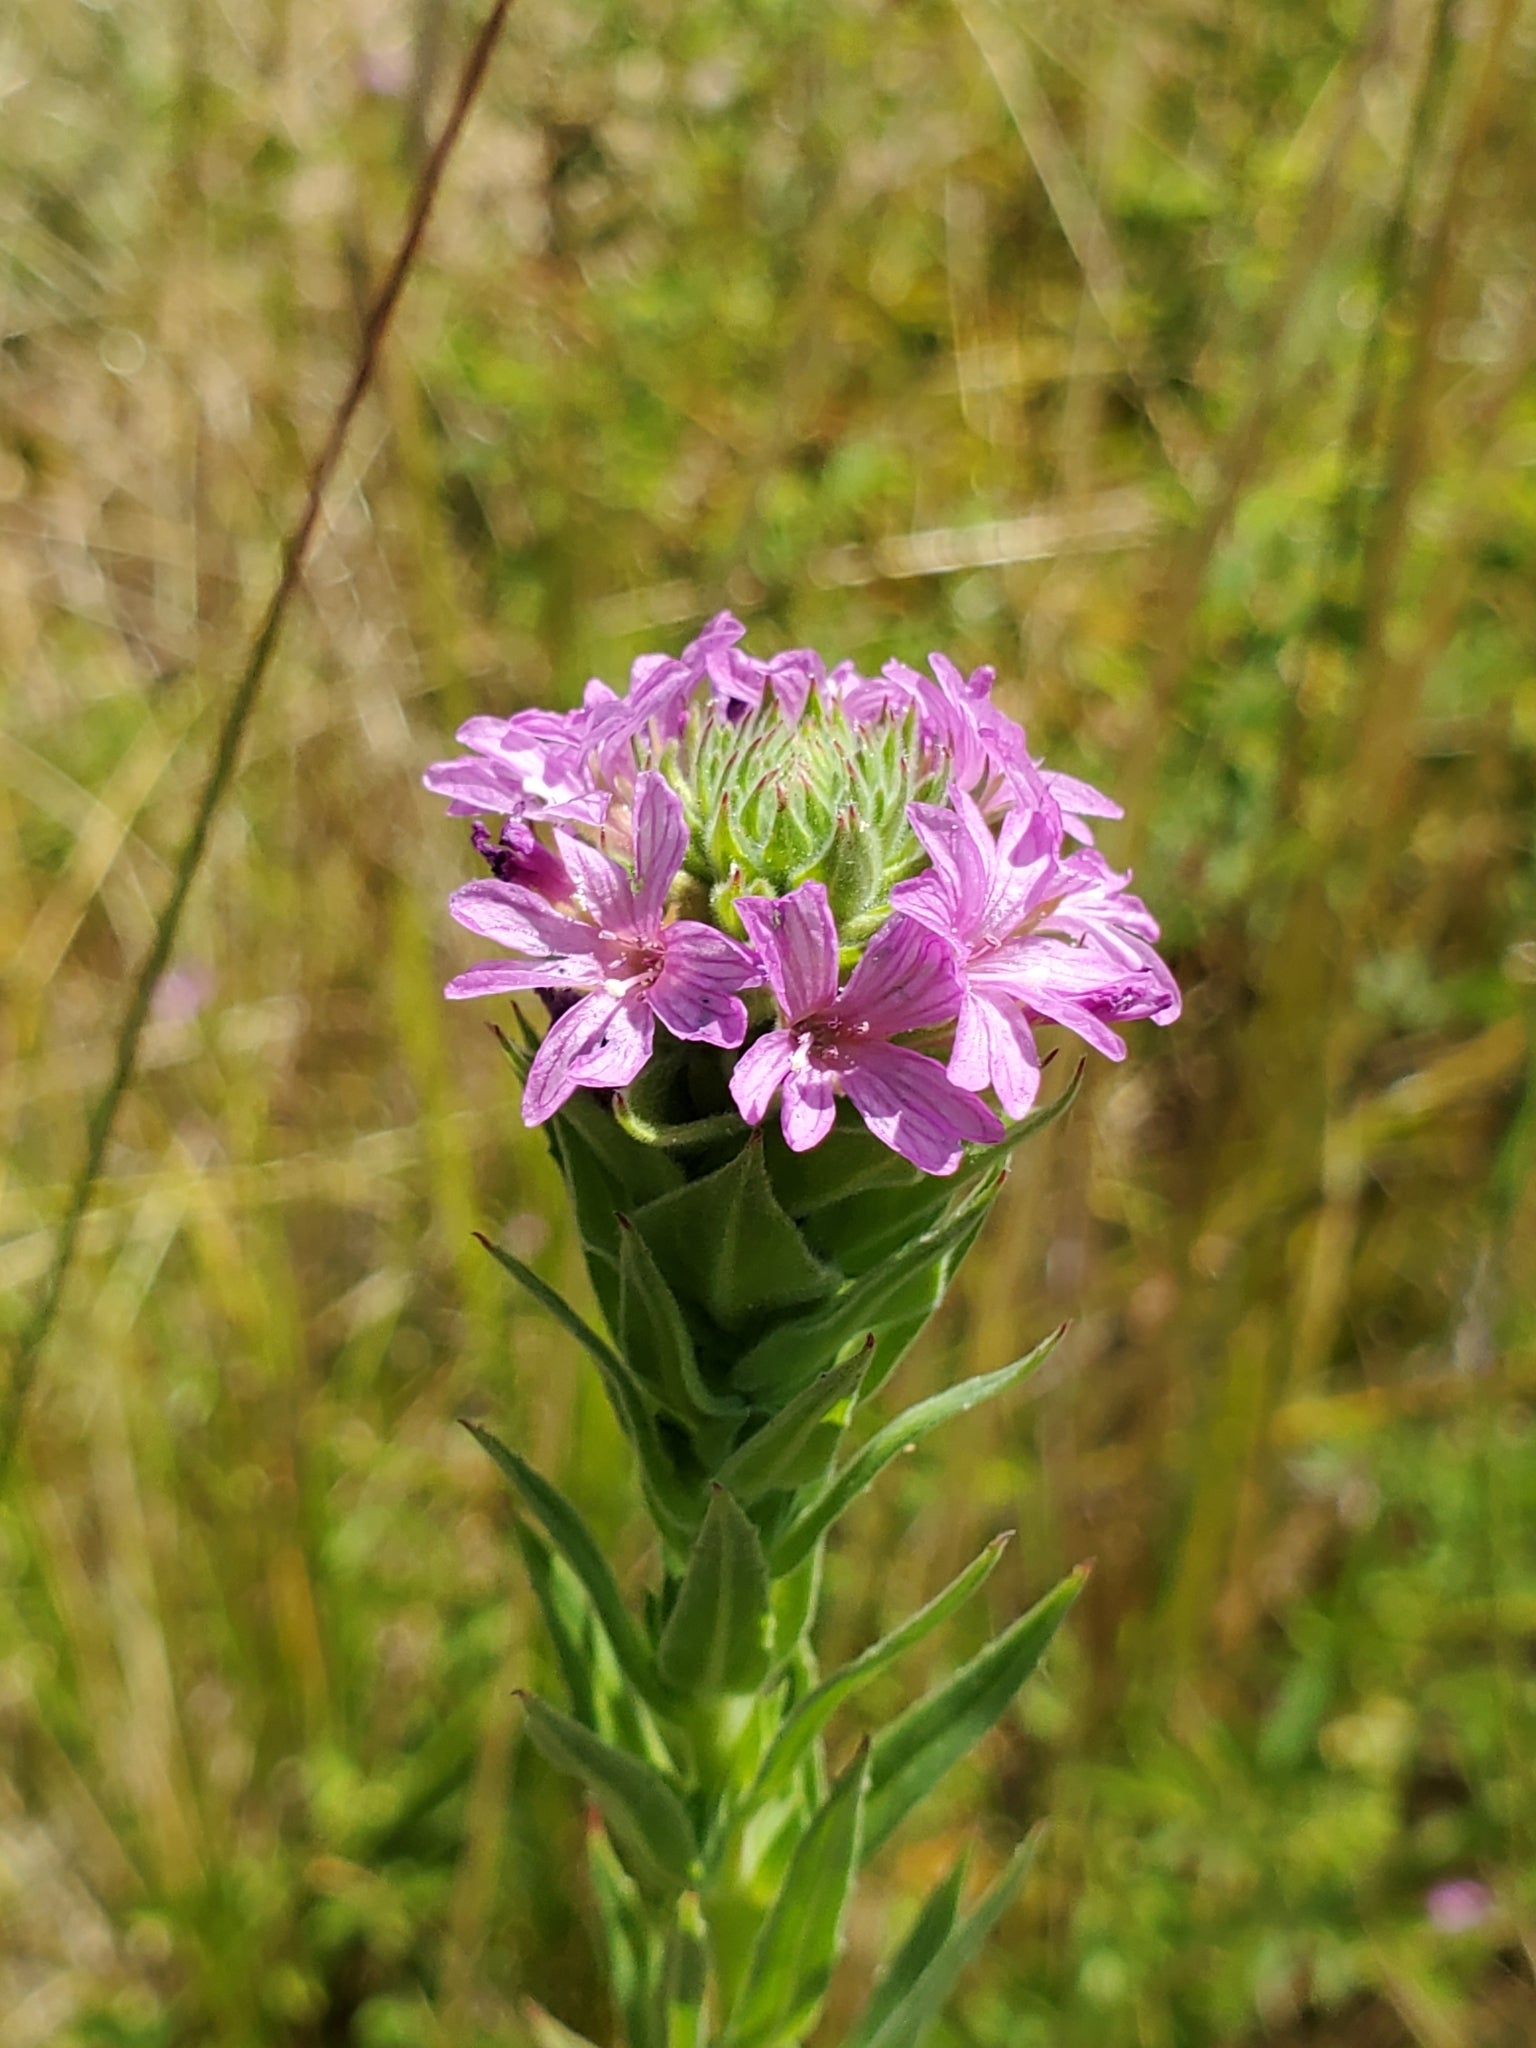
916 1988
577 1545
797 1946
602 1698
557 1305
924 1942
546 2031
647 1821
919 1746
797 1445
717 1636
655 1337
793 1353
818 1707
725 1242
871 1458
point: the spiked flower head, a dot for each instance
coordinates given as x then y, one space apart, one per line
794 932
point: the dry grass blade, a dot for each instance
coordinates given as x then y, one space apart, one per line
35 1331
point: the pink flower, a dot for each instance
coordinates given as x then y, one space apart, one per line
1033 935
633 968
830 1042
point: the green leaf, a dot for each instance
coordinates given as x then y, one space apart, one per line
848 1160
655 1337
797 1945
638 1173
725 1242
569 1618
796 1446
631 1946
924 1942
578 1547
916 1988
795 1352
910 1427
548 2032
1030 1126
716 1637
646 1820
687 1975
817 1708
919 1746
557 1305
602 1698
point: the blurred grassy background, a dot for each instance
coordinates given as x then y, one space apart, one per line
1177 359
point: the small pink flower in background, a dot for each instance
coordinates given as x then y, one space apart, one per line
831 1043
632 967
1457 1905
182 993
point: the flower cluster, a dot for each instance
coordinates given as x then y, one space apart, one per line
857 886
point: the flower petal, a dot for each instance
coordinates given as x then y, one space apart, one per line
695 993
796 940
660 841
809 1107
994 1047
758 1072
910 1104
520 919
552 1078
906 980
500 977
602 887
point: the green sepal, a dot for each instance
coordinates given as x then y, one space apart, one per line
797 1445
847 1162
578 1547
791 1355
717 1637
797 1945
655 1339
725 1243
915 1989
807 1720
871 1459
914 1752
646 1821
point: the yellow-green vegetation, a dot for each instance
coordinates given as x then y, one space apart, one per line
1177 360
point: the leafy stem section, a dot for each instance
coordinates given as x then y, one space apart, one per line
757 1301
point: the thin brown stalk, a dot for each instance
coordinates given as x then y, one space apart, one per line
36 1329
